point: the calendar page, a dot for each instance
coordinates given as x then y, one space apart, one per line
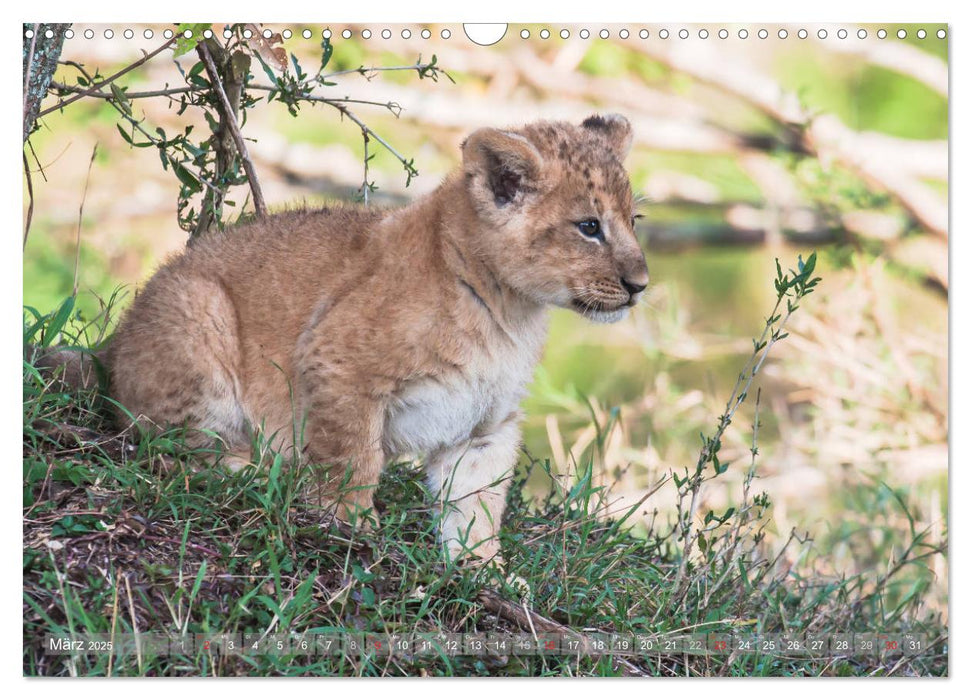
414 349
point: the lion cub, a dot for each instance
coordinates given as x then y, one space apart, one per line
355 335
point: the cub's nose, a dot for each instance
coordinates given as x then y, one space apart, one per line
634 287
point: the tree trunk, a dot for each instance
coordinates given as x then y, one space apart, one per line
41 53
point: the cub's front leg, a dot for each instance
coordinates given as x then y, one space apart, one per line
471 482
341 426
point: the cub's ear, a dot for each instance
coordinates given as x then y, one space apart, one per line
503 162
616 130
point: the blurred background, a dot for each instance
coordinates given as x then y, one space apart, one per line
746 150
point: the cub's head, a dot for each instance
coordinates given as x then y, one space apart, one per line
556 213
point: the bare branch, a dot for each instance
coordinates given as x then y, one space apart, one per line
367 72
227 109
78 90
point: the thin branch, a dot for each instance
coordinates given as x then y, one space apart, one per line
107 81
168 92
30 195
419 67
227 108
84 196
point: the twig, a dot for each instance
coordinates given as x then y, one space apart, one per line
365 187
254 183
419 67
338 104
190 545
84 196
94 88
30 203
77 90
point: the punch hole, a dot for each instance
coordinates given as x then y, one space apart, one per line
664 33
643 34
624 34
584 33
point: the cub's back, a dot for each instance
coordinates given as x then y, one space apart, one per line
233 305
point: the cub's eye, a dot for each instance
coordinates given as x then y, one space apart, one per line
591 229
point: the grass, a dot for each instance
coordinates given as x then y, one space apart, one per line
126 532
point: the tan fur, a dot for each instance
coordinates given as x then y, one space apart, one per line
358 335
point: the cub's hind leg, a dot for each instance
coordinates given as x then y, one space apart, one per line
175 362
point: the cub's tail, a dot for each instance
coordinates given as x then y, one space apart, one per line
71 369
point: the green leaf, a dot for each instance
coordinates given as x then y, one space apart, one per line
58 321
184 45
328 51
186 178
121 98
268 71
125 135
